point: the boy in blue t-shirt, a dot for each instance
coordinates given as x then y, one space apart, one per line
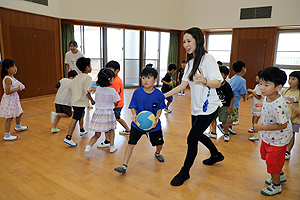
146 98
239 89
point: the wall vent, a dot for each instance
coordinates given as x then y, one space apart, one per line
256 13
42 2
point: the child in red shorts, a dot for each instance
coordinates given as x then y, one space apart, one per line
275 128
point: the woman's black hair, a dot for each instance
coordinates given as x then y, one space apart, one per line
104 77
6 64
198 35
296 74
74 43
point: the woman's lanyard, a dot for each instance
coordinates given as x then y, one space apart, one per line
205 105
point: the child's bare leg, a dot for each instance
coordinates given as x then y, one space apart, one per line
58 117
111 136
8 124
255 120
229 121
128 153
18 119
225 126
168 103
291 143
158 148
81 121
94 139
276 178
123 123
72 127
213 126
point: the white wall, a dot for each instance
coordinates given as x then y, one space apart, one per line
226 13
173 14
53 9
154 13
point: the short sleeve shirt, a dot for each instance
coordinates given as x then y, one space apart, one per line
166 88
255 100
118 85
238 86
63 95
79 87
143 101
199 92
276 112
225 94
71 59
286 93
105 97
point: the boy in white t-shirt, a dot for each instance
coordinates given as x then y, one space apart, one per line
276 127
62 101
80 87
256 111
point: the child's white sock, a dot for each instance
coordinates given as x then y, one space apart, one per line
18 125
7 134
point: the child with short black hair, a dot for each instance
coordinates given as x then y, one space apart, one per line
168 83
255 111
103 119
146 98
227 98
239 89
63 101
80 87
275 127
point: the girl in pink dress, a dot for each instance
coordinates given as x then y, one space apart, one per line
10 103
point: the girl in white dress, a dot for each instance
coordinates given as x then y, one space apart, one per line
10 103
104 119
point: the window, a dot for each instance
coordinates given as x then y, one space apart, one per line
288 49
89 40
219 46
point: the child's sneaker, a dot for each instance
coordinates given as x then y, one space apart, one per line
236 122
212 135
159 157
83 132
167 110
55 130
70 142
250 130
179 94
271 190
282 179
287 155
53 116
103 144
87 151
121 169
253 138
226 138
22 128
125 132
183 94
112 148
221 128
231 130
11 138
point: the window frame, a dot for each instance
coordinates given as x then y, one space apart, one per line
219 33
289 67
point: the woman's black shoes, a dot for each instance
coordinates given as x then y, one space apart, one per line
213 159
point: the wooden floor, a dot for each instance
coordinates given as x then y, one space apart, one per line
40 166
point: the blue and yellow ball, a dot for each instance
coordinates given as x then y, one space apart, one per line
145 120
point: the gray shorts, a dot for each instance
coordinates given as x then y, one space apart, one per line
223 115
295 127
